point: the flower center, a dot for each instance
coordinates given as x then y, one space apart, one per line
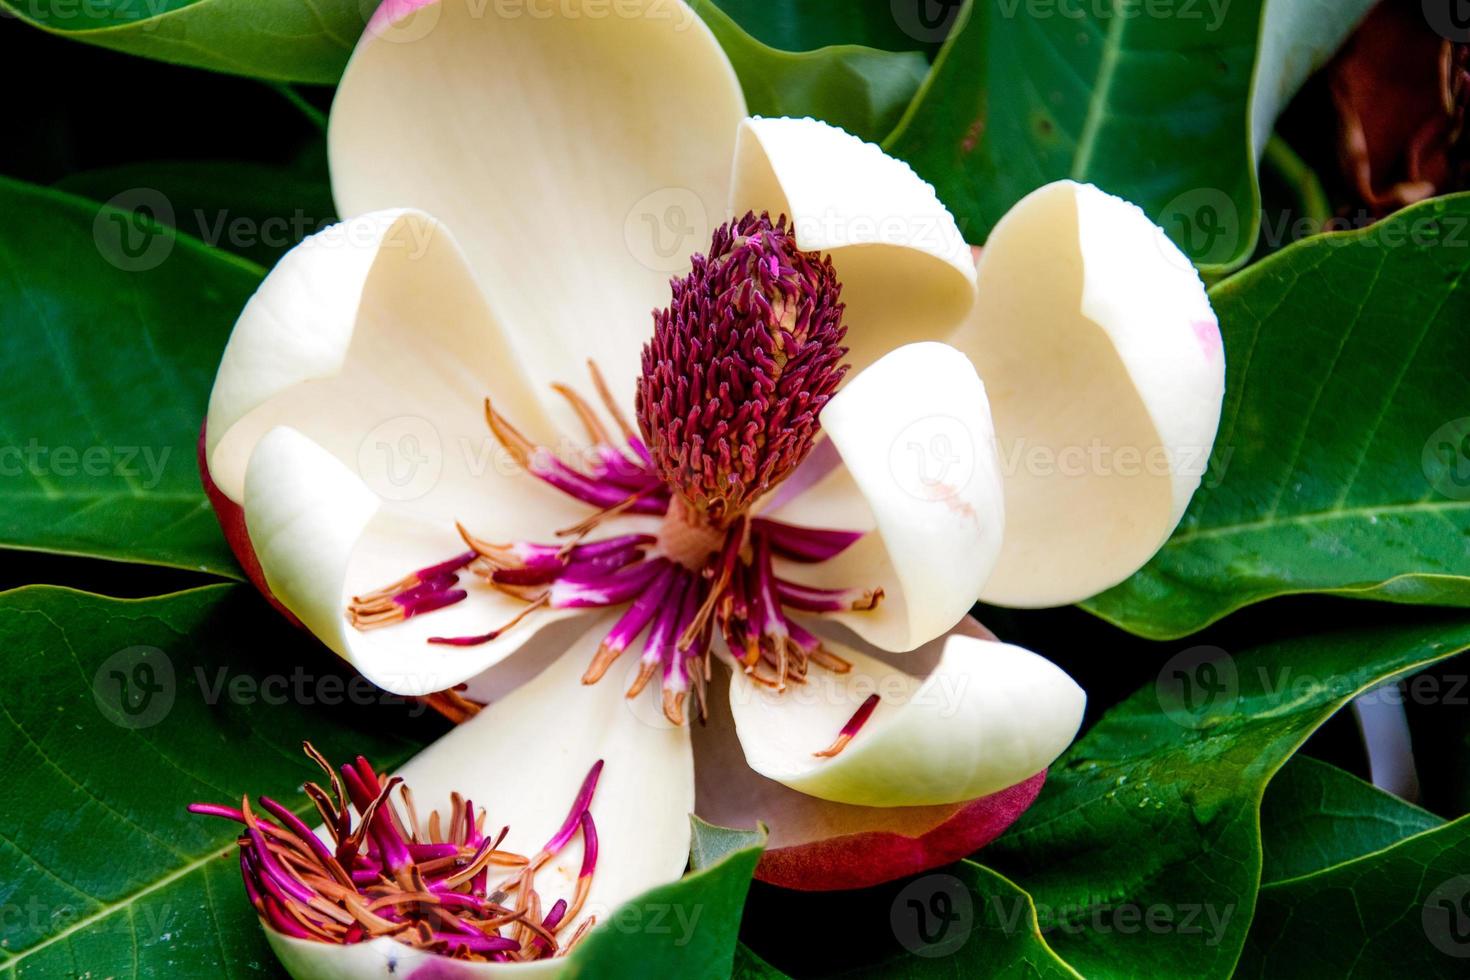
734 380
427 884
740 365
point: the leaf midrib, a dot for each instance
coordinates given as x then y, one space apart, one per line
1310 517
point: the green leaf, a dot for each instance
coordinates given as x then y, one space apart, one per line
256 211
1314 815
687 928
1403 911
285 40
862 90
799 25
749 966
115 715
119 324
1144 847
1168 105
1343 459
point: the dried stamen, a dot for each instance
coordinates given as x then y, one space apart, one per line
386 877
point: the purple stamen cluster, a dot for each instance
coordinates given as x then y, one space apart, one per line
386 874
740 365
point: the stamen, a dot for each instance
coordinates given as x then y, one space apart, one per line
387 879
854 724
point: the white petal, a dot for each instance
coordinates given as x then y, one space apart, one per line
322 537
581 149
523 759
986 717
1105 371
906 271
920 472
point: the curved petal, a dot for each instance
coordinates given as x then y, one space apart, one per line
906 271
817 845
347 418
580 149
323 537
988 715
523 759
921 474
1106 374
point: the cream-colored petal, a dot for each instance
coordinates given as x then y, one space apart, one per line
987 716
919 474
322 537
523 759
1105 370
581 150
906 271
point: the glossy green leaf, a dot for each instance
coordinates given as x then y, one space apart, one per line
1314 815
256 211
1400 912
687 928
119 323
1144 847
1167 104
800 25
286 40
863 90
115 715
1342 462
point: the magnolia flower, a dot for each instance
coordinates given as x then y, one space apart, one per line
449 439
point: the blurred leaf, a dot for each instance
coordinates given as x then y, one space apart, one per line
1169 109
1342 464
119 324
800 25
862 90
1314 815
1399 912
117 714
256 211
1144 847
285 40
